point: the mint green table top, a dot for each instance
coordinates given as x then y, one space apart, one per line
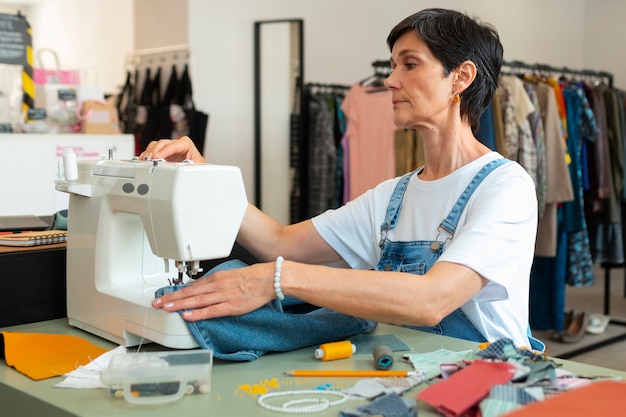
21 396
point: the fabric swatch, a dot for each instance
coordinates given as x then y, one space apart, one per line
40 356
603 398
460 394
365 344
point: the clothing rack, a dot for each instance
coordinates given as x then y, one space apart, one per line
549 70
607 78
384 66
381 64
323 88
178 54
165 58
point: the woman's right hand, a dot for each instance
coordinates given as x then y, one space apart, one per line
173 150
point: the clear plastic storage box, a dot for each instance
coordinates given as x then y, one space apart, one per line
158 377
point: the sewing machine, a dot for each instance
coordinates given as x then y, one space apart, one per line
136 226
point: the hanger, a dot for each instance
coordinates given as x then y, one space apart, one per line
375 82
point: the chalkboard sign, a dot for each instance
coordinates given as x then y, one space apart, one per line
14 39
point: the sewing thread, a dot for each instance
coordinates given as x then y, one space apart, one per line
335 350
383 357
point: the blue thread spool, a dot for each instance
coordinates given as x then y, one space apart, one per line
383 357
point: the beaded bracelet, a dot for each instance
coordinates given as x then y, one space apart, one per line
277 289
311 398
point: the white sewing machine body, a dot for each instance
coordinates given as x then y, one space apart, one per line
129 222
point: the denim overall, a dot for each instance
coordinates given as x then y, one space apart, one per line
419 256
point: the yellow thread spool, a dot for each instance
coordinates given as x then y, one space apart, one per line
335 350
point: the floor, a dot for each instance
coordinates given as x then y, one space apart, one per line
591 300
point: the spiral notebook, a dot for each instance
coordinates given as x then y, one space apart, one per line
44 237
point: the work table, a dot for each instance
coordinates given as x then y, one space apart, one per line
21 396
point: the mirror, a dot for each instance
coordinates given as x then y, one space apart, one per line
278 78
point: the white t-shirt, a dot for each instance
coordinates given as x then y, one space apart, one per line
495 236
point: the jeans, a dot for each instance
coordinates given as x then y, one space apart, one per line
276 327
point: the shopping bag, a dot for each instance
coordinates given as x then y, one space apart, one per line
11 97
99 117
50 80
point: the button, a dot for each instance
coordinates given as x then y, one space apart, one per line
143 189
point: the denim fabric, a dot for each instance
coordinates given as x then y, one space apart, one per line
277 326
419 256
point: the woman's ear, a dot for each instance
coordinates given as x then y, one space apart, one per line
466 73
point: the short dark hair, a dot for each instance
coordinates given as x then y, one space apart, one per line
454 37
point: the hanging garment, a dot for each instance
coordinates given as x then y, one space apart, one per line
579 261
622 119
173 114
616 148
558 182
538 134
409 151
518 135
486 130
339 130
604 215
319 152
370 130
297 209
126 104
169 120
547 283
197 120
498 119
147 111
322 155
599 156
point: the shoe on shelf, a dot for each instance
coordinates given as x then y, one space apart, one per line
597 323
567 321
576 330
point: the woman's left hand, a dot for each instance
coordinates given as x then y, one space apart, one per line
225 293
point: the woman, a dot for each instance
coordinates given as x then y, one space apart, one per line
446 249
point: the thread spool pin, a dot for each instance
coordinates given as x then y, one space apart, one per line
70 166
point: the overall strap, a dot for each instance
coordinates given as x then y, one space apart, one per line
393 208
450 222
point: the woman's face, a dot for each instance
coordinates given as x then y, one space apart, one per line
422 95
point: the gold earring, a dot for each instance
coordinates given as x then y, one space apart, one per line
456 98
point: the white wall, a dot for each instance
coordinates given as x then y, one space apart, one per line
342 38
160 23
90 35
604 38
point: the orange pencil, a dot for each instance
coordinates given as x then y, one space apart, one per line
349 373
